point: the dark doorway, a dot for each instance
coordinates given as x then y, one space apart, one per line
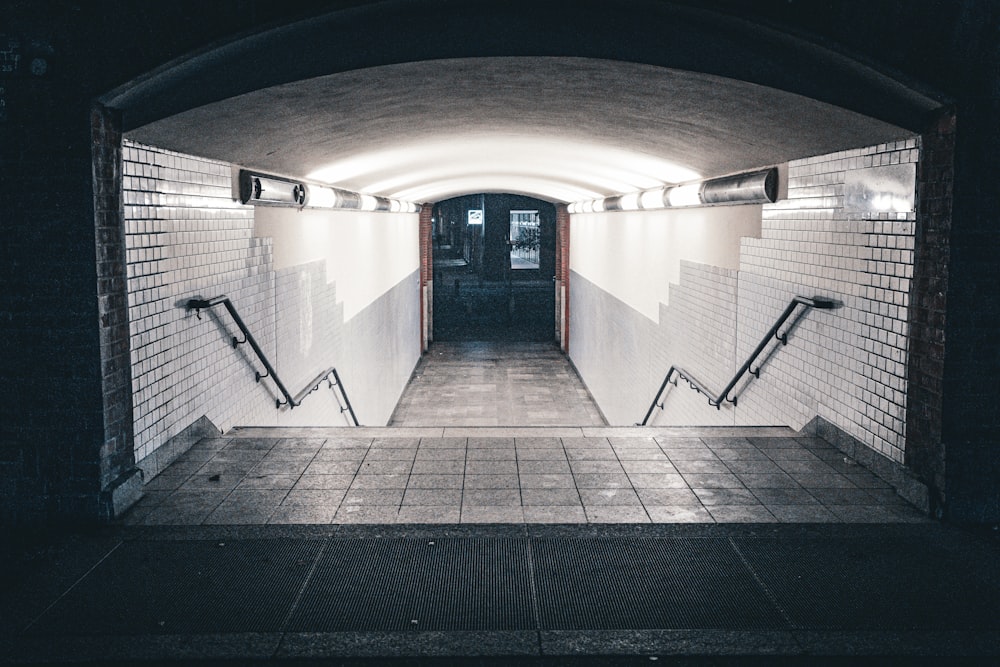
494 263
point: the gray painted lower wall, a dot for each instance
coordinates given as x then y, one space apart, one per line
612 346
374 352
380 347
623 356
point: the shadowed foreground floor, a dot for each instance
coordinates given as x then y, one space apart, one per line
519 594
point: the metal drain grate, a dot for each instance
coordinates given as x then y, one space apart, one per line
418 584
872 584
611 584
190 586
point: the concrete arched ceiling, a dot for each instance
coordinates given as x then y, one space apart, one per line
597 116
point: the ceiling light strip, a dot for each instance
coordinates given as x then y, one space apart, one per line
754 187
262 189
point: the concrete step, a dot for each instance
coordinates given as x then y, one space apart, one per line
514 432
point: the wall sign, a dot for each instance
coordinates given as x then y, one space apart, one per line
476 216
885 189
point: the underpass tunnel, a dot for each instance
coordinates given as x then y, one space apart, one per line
645 187
357 212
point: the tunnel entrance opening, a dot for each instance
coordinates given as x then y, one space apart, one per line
494 263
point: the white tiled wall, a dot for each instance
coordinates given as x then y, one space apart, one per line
187 238
698 333
847 365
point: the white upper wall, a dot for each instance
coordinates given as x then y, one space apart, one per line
635 255
366 253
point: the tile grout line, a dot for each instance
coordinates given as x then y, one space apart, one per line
361 463
465 468
630 482
241 480
686 482
691 488
409 476
297 479
576 486
520 490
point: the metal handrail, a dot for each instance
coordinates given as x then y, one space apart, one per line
291 401
716 400
335 382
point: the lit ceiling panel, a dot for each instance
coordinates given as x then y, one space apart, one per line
563 129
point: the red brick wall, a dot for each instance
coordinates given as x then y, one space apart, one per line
928 301
562 268
116 457
426 263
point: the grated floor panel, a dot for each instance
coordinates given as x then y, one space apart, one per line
169 587
615 584
828 584
418 584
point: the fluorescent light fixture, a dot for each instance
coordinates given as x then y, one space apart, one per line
758 187
259 189
630 202
685 195
651 198
754 187
262 189
320 197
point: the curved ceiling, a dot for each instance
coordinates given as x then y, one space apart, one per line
608 107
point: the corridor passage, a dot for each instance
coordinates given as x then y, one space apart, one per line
519 307
495 384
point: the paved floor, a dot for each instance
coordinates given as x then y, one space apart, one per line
469 475
495 384
529 594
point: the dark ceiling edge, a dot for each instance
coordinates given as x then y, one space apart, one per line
667 35
886 72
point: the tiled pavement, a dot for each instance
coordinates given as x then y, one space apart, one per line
495 384
469 475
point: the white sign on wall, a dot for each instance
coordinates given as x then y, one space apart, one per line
475 217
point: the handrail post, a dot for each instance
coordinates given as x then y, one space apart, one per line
659 393
343 392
